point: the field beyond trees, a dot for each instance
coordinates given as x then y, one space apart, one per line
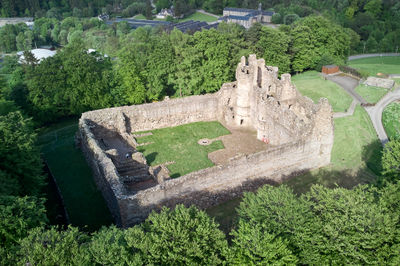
374 65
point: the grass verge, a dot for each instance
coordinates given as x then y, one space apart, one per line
391 120
370 93
379 64
312 85
179 144
83 201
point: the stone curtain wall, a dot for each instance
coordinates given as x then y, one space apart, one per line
150 116
217 184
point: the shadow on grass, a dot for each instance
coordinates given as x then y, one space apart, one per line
151 157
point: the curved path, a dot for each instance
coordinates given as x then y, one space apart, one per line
374 112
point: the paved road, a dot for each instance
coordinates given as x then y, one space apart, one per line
348 84
359 56
375 112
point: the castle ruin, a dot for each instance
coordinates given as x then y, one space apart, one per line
298 132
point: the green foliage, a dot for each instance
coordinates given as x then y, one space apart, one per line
273 46
19 156
324 226
17 216
53 247
391 160
391 120
252 245
131 89
179 236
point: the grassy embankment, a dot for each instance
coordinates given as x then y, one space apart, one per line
84 202
179 144
391 120
312 85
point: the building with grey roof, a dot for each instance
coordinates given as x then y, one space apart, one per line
246 17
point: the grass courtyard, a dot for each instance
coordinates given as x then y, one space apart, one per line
84 203
391 120
312 85
179 144
375 65
370 93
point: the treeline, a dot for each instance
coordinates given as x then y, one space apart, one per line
150 63
62 9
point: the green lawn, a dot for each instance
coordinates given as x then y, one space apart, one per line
355 160
375 65
179 144
84 202
391 120
199 17
370 93
312 85
139 16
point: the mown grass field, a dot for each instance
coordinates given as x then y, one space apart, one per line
312 85
375 65
370 93
391 120
355 160
197 16
179 144
84 203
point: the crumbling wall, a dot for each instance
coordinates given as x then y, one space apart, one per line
150 116
214 185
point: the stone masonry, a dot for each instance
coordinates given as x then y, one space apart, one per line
299 134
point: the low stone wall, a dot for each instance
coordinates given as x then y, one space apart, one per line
217 184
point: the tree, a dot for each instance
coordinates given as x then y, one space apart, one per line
17 216
391 160
273 47
302 49
130 89
19 156
179 236
251 244
54 247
